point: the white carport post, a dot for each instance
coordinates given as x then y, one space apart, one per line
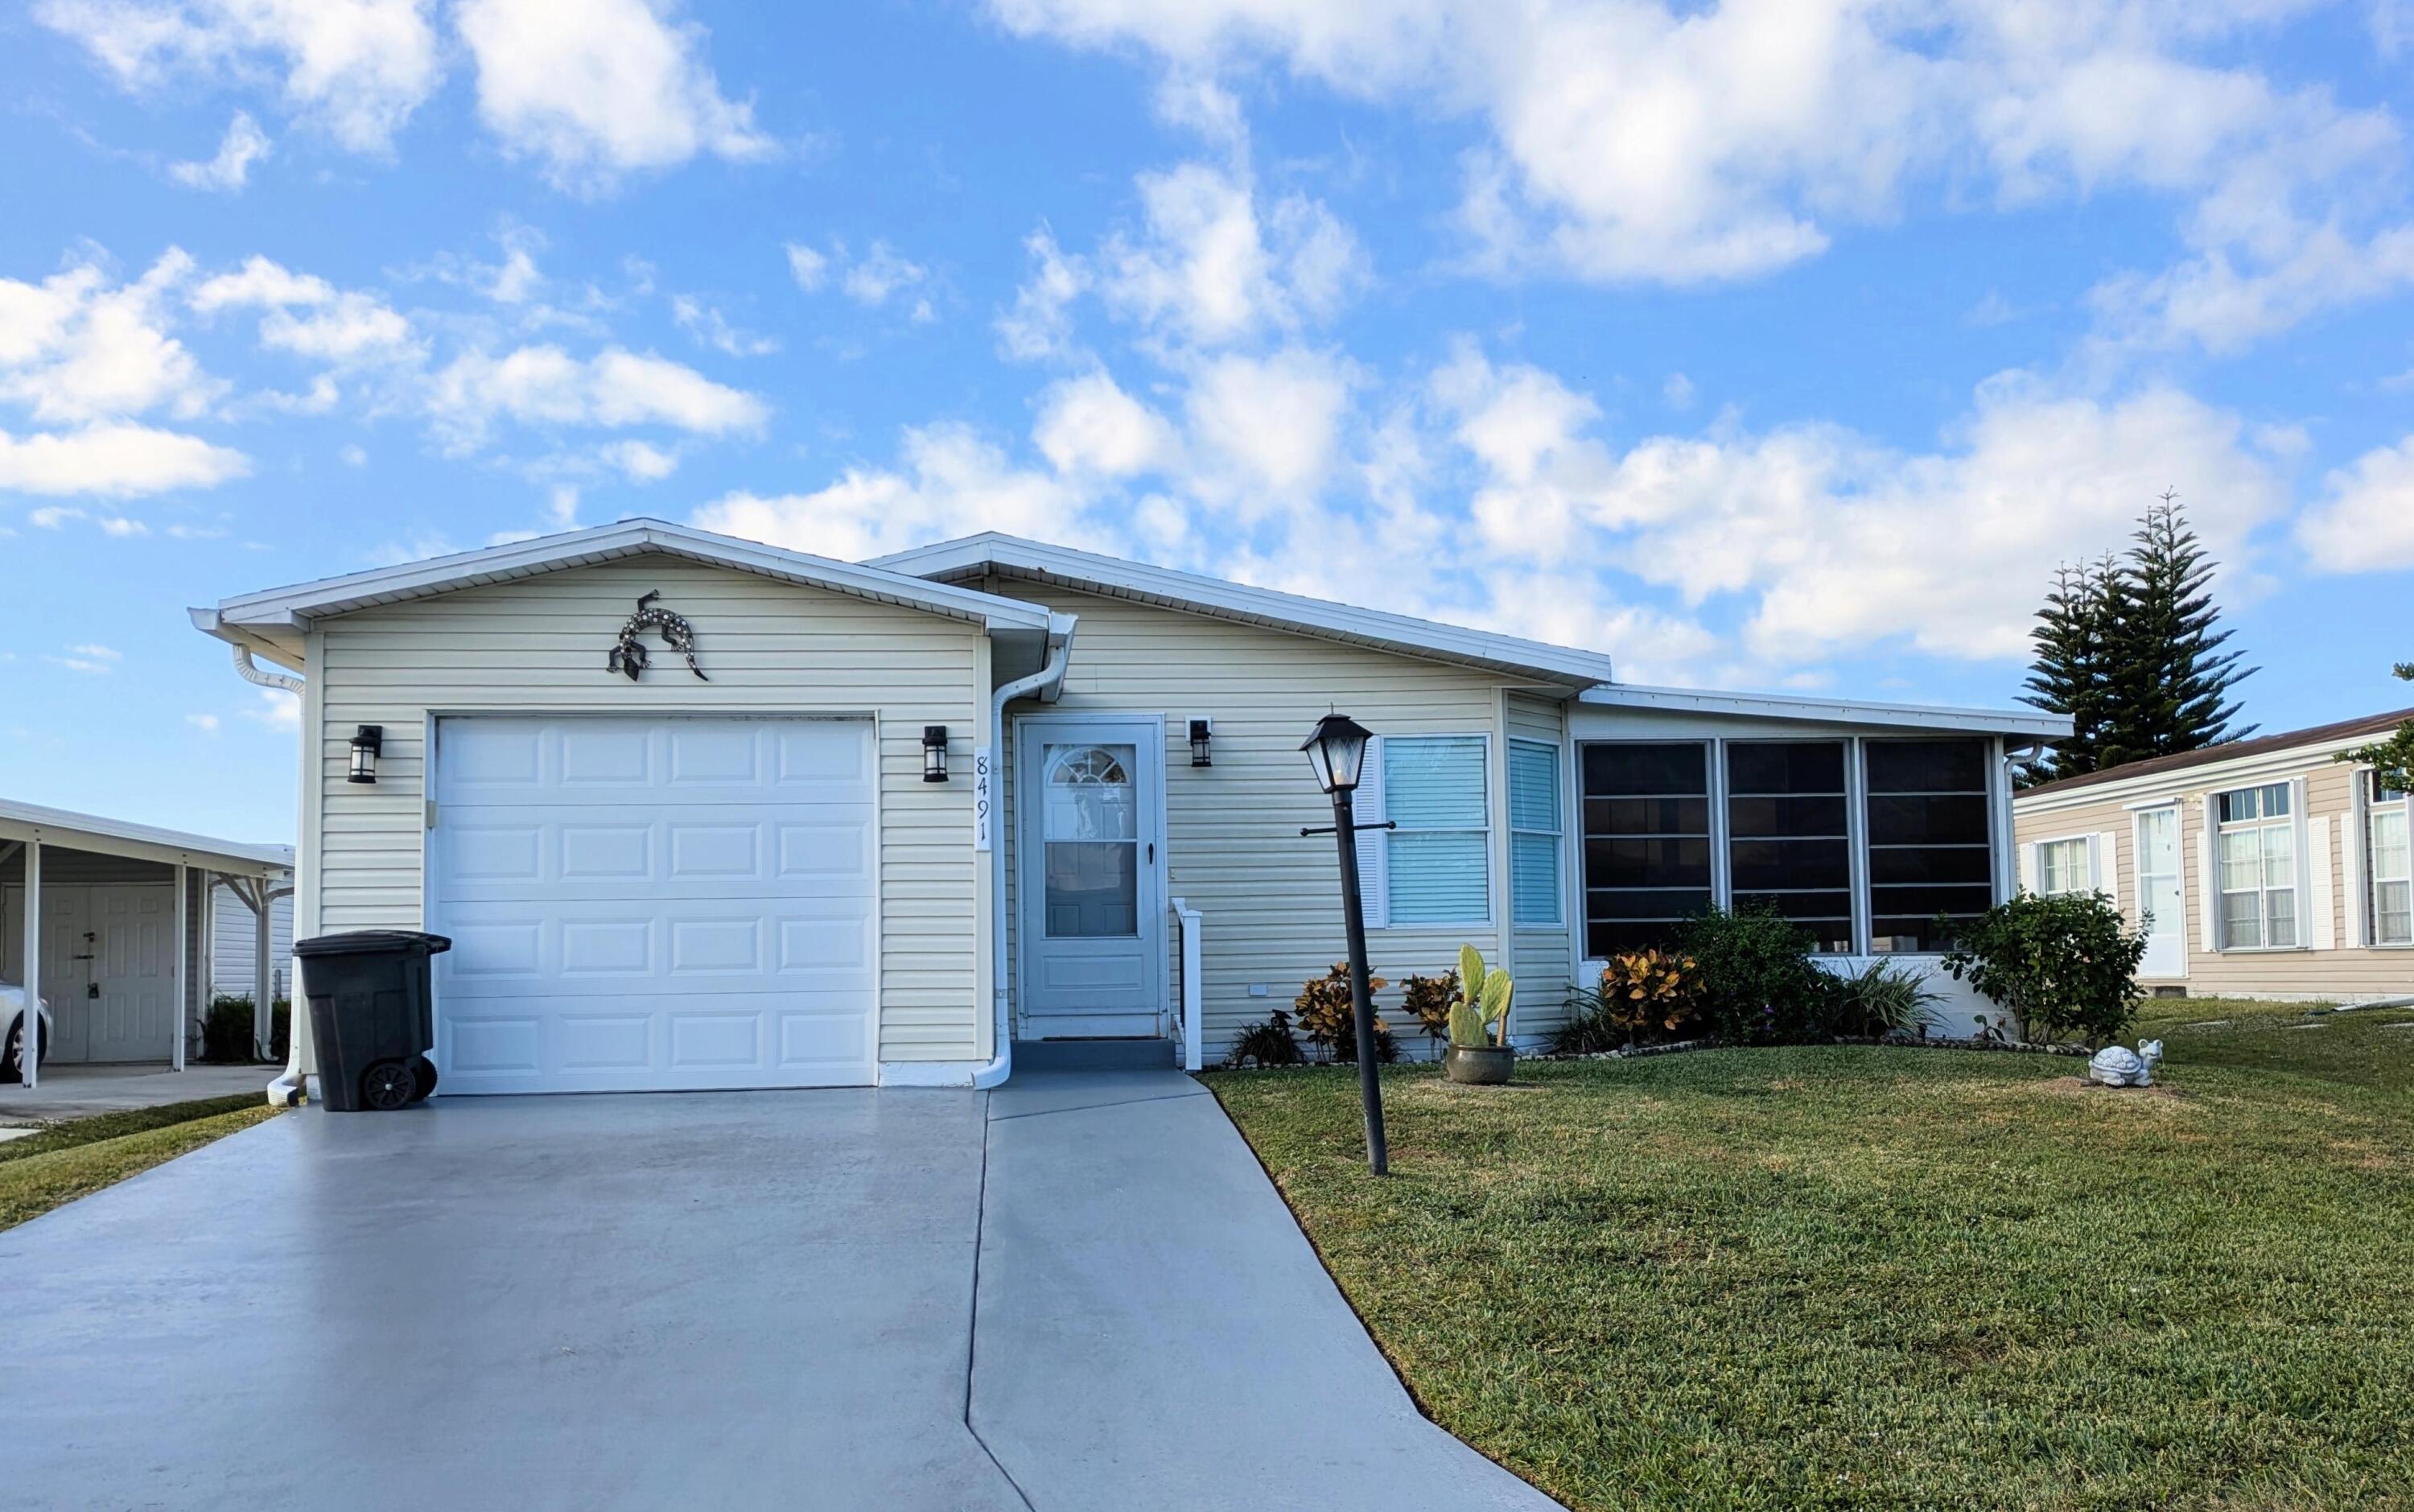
263 988
183 974
29 1053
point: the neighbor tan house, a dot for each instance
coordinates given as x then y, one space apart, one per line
991 801
2263 868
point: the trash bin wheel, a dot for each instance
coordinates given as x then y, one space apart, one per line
387 1085
422 1074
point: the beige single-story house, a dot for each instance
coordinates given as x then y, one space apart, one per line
123 927
892 820
2262 868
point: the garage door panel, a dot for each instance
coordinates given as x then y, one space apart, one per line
667 904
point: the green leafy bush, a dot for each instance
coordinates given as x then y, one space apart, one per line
1886 998
1269 1043
2060 967
1643 995
225 1031
1429 1001
1753 974
1327 1018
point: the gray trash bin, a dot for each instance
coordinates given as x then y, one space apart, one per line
372 1015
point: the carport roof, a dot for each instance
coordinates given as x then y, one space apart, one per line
272 619
141 841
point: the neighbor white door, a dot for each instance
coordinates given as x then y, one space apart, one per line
2159 894
1090 820
109 969
655 905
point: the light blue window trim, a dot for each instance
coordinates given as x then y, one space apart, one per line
1534 831
1440 863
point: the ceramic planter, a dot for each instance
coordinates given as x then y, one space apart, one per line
1479 1065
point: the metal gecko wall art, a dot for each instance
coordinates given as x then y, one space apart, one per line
628 653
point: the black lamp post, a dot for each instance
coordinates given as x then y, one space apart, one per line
1337 750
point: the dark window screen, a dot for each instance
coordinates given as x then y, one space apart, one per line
1646 842
1930 849
1788 847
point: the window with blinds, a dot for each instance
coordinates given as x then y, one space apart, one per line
2257 831
1646 841
1437 860
1534 833
2392 864
1788 844
1930 849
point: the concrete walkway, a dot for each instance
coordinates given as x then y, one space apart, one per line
729 1300
74 1091
1155 1332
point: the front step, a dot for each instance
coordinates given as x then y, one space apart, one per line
1093 1055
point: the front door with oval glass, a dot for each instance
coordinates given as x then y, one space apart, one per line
1089 810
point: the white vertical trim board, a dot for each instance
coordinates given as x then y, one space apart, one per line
2354 826
2207 872
2031 867
2323 936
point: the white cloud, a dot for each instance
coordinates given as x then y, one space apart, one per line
545 385
118 460
1273 423
354 455
952 483
1652 140
879 274
77 348
810 268
308 316
243 144
356 68
596 88
277 708
641 462
94 661
1206 269
2364 522
1678 389
1088 424
1040 323
206 723
712 328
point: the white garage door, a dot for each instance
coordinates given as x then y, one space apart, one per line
654 905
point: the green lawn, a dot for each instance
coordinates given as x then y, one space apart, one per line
1902 1277
82 1155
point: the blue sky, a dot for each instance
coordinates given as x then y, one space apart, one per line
1785 344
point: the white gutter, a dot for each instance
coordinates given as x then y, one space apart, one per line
266 679
290 1088
1048 682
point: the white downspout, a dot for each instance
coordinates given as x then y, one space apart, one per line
1047 682
288 1089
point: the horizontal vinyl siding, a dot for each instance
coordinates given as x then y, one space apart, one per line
767 647
235 937
1270 899
2341 973
1541 959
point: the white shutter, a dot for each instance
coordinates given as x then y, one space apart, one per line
2324 934
2029 868
1374 846
2208 875
2107 866
2351 832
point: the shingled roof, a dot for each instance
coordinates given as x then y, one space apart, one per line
2346 733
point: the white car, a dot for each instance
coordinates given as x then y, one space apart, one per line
12 1007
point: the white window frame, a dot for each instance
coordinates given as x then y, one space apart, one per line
2087 843
1380 753
1556 834
2369 808
2300 890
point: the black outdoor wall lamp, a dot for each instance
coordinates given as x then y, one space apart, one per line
1202 731
935 753
368 743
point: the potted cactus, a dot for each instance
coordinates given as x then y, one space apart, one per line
1479 1053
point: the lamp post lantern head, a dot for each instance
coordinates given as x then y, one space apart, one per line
1337 749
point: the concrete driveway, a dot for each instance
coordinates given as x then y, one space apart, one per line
1076 1292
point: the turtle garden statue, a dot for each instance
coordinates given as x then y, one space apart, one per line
2120 1065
